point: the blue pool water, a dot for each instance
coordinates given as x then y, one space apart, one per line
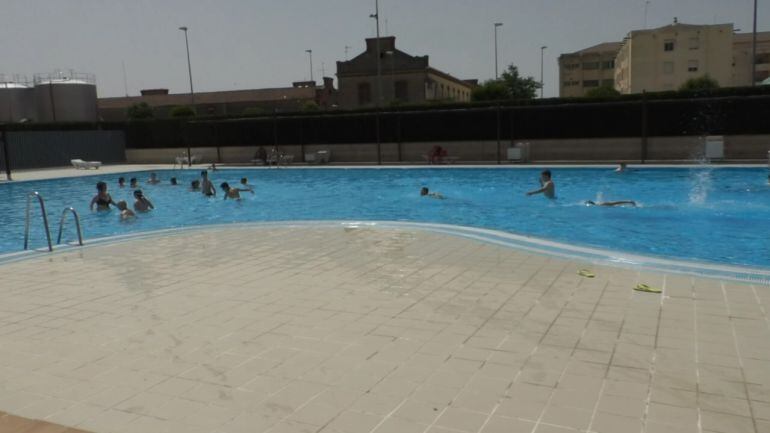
717 215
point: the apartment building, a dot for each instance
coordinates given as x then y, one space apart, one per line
587 69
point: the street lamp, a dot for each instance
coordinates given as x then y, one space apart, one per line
496 69
310 53
192 93
542 54
376 16
754 49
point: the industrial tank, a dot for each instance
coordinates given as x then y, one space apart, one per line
17 102
65 97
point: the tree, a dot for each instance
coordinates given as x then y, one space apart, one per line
140 110
603 92
310 106
510 85
701 83
182 111
253 111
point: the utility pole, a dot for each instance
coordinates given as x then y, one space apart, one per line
646 6
376 16
754 49
542 54
310 53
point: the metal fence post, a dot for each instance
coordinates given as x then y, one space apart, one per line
497 113
3 137
644 128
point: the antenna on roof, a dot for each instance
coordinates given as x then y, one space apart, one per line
346 52
125 79
646 7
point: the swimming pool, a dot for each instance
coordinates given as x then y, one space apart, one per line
707 214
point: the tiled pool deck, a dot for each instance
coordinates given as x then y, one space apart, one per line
357 330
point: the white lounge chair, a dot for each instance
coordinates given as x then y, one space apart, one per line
85 165
181 160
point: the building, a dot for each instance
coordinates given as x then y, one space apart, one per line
404 78
665 58
62 96
587 69
742 50
226 103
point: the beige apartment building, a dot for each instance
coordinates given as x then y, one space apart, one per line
404 78
664 58
587 69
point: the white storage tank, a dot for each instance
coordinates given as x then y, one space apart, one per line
17 101
65 97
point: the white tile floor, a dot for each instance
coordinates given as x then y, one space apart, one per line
372 330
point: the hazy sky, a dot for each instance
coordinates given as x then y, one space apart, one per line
236 44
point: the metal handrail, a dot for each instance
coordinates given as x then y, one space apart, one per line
77 224
45 220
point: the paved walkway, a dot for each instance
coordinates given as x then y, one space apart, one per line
351 330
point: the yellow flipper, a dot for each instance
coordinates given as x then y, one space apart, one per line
641 287
586 273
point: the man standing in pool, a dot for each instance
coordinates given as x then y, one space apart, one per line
207 188
547 187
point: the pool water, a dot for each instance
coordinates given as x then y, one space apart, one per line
716 215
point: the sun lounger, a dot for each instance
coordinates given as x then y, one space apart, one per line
85 165
181 160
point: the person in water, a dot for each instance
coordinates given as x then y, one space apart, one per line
132 183
102 200
121 182
195 185
142 203
173 181
425 192
547 187
232 192
245 184
621 168
125 212
153 180
207 188
611 203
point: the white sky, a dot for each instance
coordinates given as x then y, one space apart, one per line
238 44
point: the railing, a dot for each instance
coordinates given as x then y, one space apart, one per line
45 220
77 224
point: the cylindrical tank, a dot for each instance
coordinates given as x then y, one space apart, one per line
17 102
65 97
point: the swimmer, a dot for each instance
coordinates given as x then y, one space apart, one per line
153 180
621 168
245 184
425 192
125 212
768 179
611 203
548 188
132 183
173 181
142 203
195 185
102 199
121 182
207 188
233 193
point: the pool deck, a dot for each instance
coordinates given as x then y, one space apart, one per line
373 329
348 330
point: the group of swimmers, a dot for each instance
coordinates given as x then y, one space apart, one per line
103 200
548 189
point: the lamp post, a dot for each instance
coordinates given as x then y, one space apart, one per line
192 93
376 16
310 53
754 49
542 54
496 69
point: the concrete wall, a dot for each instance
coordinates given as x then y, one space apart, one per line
38 149
745 147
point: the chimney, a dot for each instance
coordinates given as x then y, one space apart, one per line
328 83
676 20
387 43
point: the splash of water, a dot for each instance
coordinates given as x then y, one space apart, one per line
701 185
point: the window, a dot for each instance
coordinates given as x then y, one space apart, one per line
590 66
608 83
694 43
571 83
608 65
572 66
668 67
402 91
692 66
364 93
668 45
591 83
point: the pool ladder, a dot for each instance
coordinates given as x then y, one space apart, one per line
40 200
